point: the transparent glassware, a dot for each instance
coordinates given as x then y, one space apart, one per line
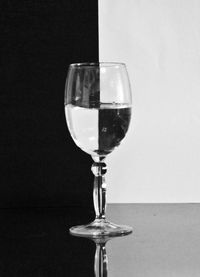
98 105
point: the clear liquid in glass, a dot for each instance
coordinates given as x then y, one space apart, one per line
97 131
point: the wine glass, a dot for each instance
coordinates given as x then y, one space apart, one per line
98 111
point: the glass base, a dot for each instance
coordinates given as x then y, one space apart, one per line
100 228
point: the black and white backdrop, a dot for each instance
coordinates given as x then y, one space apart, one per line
158 40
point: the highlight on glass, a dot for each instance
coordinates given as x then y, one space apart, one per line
98 104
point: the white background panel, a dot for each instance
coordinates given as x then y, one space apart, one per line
159 40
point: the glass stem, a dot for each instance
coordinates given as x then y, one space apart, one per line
99 192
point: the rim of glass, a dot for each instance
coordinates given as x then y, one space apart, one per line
93 64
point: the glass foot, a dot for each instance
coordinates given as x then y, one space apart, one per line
100 228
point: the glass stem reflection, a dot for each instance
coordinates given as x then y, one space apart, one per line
99 193
101 261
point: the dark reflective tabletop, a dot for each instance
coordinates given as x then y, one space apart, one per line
165 242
